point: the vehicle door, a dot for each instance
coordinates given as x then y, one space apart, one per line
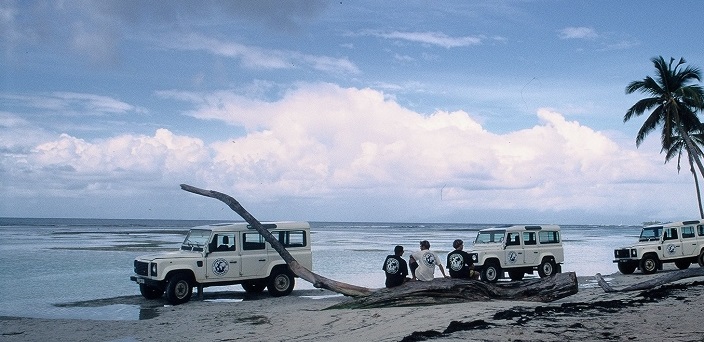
671 243
514 255
689 241
223 260
254 255
531 252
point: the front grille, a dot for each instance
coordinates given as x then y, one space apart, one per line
141 268
622 253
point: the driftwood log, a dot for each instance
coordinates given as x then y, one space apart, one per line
649 284
411 293
451 291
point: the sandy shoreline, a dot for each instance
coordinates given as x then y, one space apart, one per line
674 314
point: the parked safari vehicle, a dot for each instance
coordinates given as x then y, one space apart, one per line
225 254
517 250
678 242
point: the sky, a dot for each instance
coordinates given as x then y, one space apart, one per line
375 111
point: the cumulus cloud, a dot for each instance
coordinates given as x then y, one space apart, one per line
322 142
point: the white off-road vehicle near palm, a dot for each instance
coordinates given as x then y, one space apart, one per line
225 254
679 242
518 250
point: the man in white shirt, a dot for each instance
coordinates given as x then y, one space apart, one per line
427 261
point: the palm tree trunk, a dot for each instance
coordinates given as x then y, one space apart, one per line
696 185
691 150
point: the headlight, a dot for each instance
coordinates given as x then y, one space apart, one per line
474 258
153 270
634 253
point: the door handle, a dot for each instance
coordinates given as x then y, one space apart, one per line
262 259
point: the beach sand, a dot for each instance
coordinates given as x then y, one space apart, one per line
675 313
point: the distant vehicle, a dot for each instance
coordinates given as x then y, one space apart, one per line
518 250
225 254
678 242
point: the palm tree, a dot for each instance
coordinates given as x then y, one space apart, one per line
674 101
675 149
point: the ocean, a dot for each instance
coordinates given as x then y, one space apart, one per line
46 262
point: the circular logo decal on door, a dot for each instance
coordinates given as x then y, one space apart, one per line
220 267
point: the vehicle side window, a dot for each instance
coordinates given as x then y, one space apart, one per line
223 242
529 238
700 229
687 232
252 241
549 237
513 239
670 234
292 239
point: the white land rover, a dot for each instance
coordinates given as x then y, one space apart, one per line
225 254
518 250
678 242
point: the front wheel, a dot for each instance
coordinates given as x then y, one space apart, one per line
547 268
700 259
491 272
627 268
682 264
280 283
150 292
179 289
649 264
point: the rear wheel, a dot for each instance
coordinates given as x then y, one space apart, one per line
516 275
179 289
254 286
649 264
491 272
627 268
547 268
682 264
150 292
700 259
281 283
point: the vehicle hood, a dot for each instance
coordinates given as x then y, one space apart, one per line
486 247
643 244
170 255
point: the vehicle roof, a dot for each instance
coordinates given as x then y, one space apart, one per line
244 226
676 224
515 228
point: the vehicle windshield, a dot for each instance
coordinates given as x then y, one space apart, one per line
492 236
196 240
650 234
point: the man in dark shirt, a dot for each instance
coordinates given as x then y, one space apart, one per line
460 263
396 268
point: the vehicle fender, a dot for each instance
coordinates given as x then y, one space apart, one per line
173 269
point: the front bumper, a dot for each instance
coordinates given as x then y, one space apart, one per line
146 281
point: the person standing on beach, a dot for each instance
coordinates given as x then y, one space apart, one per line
395 268
459 263
427 261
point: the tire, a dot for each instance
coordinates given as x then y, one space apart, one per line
649 264
547 268
700 259
491 272
254 286
682 264
281 283
179 289
626 267
150 292
516 275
